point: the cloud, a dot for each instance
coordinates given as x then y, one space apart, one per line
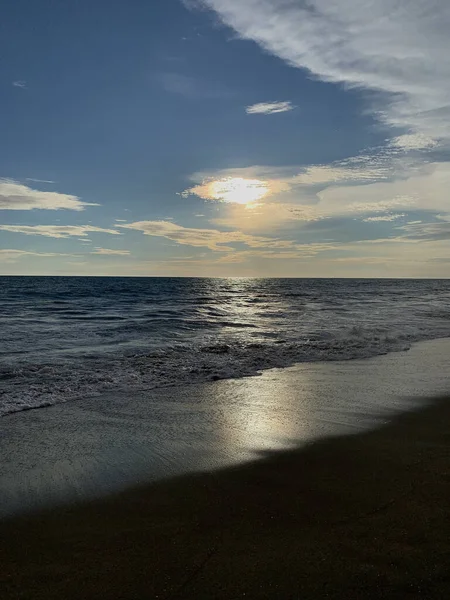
269 108
58 231
267 217
235 190
39 180
110 252
413 141
427 231
358 170
205 238
355 188
281 195
384 218
20 83
236 186
378 164
16 196
299 252
399 49
10 255
396 52
381 206
425 188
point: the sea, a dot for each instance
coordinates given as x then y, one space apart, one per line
68 338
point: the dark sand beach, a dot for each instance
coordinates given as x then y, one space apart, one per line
362 516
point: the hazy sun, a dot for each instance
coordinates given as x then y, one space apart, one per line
238 190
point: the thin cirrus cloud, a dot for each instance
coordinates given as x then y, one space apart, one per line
110 252
369 185
58 231
33 180
269 108
12 255
399 49
424 188
427 231
300 251
379 164
303 193
17 196
386 218
20 83
218 241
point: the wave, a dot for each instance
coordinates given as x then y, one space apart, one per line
28 386
66 338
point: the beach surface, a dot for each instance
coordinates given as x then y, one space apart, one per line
362 516
320 480
85 449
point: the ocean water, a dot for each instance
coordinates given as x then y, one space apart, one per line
63 338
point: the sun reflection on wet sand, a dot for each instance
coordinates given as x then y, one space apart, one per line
265 413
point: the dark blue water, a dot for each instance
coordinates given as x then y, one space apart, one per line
64 338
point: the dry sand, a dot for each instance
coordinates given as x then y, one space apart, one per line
364 516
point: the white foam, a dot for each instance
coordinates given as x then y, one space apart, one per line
31 386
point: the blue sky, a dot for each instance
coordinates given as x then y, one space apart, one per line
225 138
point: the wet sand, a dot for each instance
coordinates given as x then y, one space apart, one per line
88 448
362 516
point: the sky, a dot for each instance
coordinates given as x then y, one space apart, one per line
253 138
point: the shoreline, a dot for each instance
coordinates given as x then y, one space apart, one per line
256 373
88 449
361 516
289 361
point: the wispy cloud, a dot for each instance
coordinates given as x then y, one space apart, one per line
399 49
12 255
413 141
269 108
268 218
382 218
425 188
427 231
58 231
110 252
213 239
33 180
20 83
377 164
365 186
299 252
16 196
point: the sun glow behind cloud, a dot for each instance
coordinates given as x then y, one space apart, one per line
233 190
